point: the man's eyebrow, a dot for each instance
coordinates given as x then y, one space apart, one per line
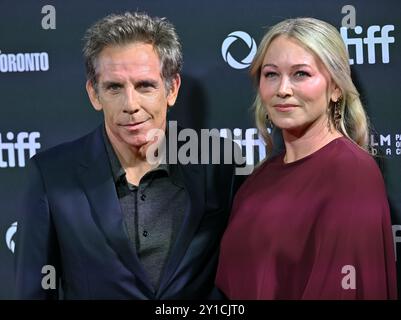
109 83
146 82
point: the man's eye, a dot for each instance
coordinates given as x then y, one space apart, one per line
145 85
114 87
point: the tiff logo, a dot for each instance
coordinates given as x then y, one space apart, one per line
249 142
372 39
25 142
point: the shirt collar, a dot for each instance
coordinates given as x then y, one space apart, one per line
116 167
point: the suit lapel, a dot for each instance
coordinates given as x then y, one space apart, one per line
193 178
97 181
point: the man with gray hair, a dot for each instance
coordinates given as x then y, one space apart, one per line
108 223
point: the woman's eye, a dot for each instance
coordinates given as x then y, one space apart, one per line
270 74
302 74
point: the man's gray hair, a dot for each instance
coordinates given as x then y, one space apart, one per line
123 29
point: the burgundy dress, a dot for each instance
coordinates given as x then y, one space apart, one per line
316 228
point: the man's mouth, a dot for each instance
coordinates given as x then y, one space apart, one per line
134 125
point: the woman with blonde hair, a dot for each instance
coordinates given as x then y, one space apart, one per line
312 222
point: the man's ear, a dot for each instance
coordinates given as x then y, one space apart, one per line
93 96
174 88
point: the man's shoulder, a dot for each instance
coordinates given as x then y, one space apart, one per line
66 152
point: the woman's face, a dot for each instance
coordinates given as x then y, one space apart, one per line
295 87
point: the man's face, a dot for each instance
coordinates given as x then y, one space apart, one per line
131 92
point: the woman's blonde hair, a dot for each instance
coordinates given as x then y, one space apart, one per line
326 43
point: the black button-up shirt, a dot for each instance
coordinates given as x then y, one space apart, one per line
153 212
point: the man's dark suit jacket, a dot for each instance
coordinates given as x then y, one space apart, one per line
71 219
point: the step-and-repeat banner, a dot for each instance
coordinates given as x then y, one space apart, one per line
43 101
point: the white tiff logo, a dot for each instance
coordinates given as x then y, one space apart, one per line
25 142
371 41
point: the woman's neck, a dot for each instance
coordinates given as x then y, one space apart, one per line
299 144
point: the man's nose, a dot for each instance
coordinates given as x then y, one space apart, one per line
285 88
131 104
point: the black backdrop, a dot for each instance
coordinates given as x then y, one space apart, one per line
42 81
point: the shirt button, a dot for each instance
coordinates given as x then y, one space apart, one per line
143 197
145 233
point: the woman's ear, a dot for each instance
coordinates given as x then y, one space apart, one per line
336 94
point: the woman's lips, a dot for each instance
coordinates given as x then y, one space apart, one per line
285 107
